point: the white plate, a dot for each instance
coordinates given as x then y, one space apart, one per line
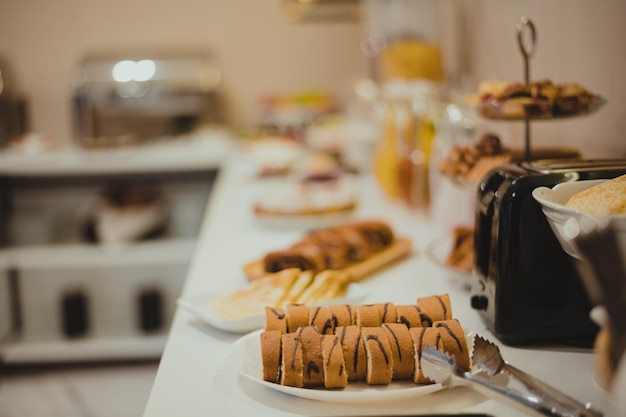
437 251
291 203
302 222
567 223
245 354
201 307
273 153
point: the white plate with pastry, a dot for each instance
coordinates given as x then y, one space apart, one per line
204 307
273 155
454 253
319 201
245 354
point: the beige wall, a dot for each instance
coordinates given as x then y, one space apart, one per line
43 41
578 40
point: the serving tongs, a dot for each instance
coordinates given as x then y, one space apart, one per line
486 356
440 367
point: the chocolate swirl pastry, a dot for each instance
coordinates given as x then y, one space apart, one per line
356 245
335 252
342 244
376 233
435 307
275 319
379 359
321 319
401 350
367 316
335 374
409 315
313 362
304 257
454 340
332 248
271 344
422 337
461 255
388 312
374 355
342 314
364 348
291 365
353 352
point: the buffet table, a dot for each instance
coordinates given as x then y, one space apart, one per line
196 377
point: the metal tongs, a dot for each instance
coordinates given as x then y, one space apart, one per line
441 368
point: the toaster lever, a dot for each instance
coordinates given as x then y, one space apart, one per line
479 302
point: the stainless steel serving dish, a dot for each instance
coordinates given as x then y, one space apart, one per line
133 98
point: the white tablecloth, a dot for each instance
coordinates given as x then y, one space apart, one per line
196 377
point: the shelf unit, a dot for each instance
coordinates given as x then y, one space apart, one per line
201 151
71 300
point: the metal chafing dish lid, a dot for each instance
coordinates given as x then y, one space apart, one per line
180 72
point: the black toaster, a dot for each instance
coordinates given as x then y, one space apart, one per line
527 289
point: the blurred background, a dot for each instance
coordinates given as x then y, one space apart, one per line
261 53
78 146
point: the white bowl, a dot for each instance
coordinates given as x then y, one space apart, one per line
568 223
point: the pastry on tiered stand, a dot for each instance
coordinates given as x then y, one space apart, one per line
536 100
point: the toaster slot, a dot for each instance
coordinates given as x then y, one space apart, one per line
482 234
485 213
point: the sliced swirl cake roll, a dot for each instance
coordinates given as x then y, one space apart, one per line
358 248
304 257
275 319
335 375
401 344
321 317
313 363
291 365
387 312
409 315
379 356
377 234
367 316
353 352
434 308
343 315
454 341
270 355
335 252
297 316
422 337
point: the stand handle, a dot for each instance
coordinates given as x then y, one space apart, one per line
524 26
527 50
